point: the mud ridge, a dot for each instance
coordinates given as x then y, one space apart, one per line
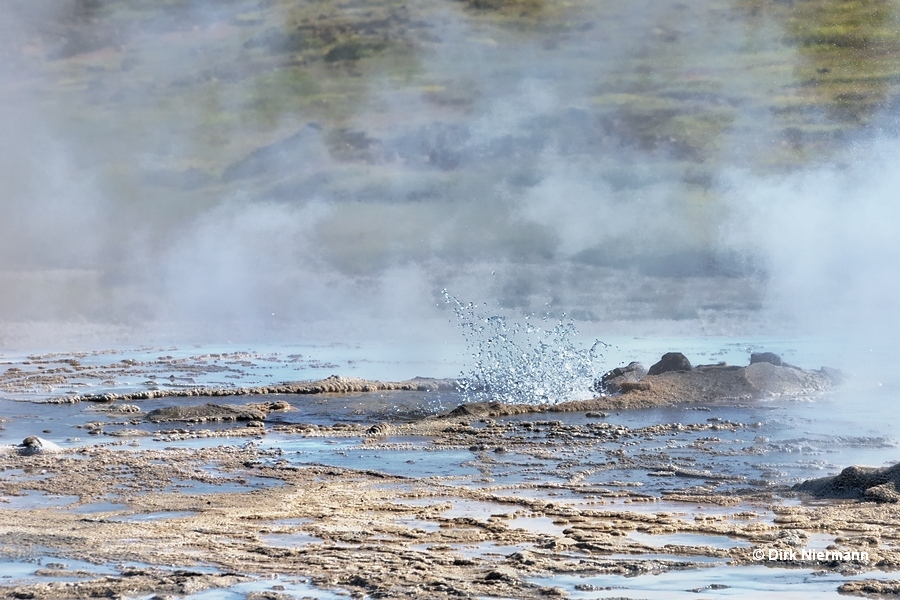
331 385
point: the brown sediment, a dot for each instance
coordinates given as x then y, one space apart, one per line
330 385
252 512
705 383
864 483
869 587
727 382
408 536
377 517
404 538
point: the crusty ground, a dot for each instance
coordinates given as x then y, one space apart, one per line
381 521
402 533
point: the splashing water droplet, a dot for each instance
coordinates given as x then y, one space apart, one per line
523 363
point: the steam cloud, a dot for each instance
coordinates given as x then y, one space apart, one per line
521 197
828 240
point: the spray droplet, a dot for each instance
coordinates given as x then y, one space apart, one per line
523 364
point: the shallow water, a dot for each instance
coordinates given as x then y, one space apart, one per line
290 540
32 499
791 439
688 539
37 567
42 566
715 581
289 587
459 508
544 525
788 444
488 549
765 443
152 516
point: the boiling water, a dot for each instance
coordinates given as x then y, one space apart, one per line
522 362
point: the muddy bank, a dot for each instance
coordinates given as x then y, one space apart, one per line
334 384
665 383
163 583
428 413
674 379
485 499
216 412
702 384
409 537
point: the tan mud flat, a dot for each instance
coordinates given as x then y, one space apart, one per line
386 493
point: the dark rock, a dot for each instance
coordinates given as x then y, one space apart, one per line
275 405
498 575
862 483
718 382
35 445
524 557
670 361
769 357
378 429
475 409
358 581
674 378
611 382
886 492
205 413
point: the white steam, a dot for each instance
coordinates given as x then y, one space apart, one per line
489 175
829 240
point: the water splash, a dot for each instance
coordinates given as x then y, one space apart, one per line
521 362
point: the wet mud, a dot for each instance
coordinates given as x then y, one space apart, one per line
483 500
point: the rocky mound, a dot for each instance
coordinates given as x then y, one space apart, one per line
30 446
859 483
673 379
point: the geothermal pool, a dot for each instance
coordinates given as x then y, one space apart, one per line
643 503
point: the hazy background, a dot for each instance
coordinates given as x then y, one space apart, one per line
273 171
